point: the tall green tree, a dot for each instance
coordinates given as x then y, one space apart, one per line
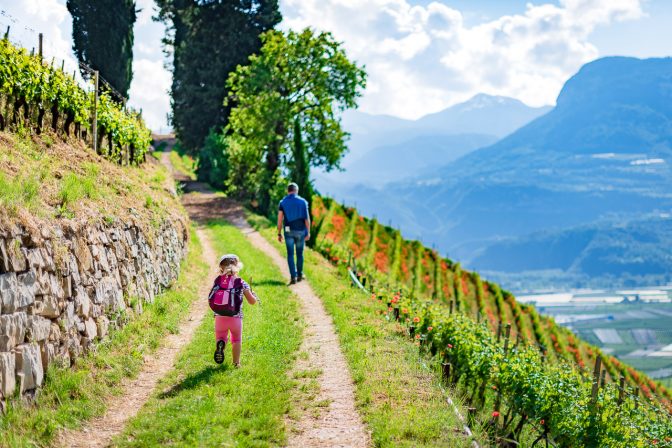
286 118
209 39
102 32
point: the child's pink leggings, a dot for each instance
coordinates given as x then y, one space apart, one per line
224 324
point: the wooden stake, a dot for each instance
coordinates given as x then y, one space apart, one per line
40 41
603 378
507 334
596 378
445 371
621 390
94 126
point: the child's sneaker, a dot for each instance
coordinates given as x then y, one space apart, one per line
219 352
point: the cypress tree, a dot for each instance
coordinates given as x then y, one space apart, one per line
102 32
210 39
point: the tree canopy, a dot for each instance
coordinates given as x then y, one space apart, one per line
102 32
286 117
209 39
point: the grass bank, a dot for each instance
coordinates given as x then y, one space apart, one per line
200 403
398 395
73 395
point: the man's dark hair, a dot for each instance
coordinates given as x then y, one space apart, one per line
291 188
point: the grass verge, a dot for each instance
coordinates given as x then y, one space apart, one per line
200 403
73 395
183 163
398 395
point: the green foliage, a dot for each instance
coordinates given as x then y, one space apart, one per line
102 31
29 79
288 99
208 40
213 163
19 191
542 397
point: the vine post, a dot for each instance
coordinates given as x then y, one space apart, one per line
94 126
40 42
596 379
621 390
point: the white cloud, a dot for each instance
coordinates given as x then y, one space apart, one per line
421 59
28 18
149 91
146 8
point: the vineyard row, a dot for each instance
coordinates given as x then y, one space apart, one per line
35 95
382 256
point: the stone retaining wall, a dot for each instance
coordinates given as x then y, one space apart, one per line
62 287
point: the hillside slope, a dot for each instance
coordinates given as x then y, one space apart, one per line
599 160
383 256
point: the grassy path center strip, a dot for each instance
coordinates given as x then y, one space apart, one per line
200 403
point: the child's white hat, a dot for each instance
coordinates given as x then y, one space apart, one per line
229 257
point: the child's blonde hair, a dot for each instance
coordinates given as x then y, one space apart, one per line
230 264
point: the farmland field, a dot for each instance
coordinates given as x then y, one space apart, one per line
633 332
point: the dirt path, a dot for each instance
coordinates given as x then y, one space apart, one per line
338 424
100 431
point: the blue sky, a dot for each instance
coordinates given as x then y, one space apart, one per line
421 55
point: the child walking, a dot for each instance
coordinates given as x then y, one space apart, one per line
226 300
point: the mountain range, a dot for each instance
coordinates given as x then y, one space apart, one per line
385 148
584 190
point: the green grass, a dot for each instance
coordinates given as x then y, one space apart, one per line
200 403
19 192
184 164
72 395
399 397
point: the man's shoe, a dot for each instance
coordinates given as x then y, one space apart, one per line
292 281
300 278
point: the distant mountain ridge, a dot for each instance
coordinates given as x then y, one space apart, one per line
433 140
600 159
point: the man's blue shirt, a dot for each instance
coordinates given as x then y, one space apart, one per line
295 209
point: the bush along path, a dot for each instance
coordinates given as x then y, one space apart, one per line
100 430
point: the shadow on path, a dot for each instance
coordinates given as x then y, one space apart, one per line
194 380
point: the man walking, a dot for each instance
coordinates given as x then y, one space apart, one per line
293 215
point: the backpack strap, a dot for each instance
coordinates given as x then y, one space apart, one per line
238 283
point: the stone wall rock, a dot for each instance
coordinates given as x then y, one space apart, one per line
62 288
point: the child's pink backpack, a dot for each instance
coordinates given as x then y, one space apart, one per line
226 296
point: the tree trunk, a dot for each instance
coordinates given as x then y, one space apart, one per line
40 118
54 116
69 118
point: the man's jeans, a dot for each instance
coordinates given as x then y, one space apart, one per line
295 239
